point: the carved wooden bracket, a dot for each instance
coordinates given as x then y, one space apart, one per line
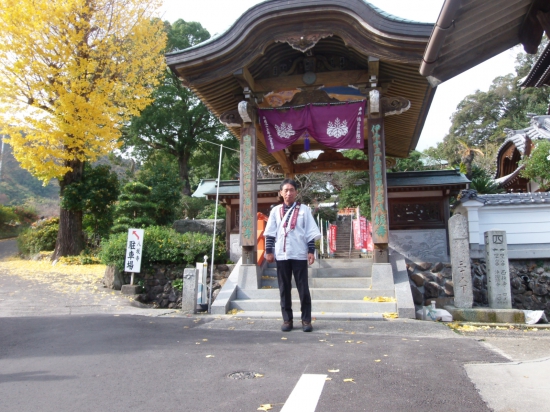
394 105
231 119
303 42
247 112
276 169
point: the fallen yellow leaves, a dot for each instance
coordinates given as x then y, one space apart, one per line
377 360
209 356
283 338
334 370
379 299
390 315
349 380
61 278
234 311
258 375
265 407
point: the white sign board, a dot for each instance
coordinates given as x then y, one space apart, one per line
134 247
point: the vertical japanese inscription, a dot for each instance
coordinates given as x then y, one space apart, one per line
498 270
247 218
378 189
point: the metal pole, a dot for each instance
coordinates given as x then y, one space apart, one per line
350 234
214 234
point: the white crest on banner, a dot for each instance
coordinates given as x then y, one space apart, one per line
337 129
285 130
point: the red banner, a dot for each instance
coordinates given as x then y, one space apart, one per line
367 239
357 234
333 231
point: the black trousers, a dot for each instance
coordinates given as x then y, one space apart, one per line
285 269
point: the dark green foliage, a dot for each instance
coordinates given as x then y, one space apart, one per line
39 237
95 196
353 196
160 173
481 118
485 185
163 245
198 207
177 122
14 219
208 212
537 165
134 208
328 214
409 164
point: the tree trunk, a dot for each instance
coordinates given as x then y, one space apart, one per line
70 240
183 161
468 160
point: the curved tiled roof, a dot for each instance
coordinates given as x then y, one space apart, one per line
506 199
521 139
268 35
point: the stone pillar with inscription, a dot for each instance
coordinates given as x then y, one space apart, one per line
249 277
378 185
498 270
460 261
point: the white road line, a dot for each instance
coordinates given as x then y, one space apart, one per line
306 394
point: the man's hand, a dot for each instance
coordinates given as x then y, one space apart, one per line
270 257
310 258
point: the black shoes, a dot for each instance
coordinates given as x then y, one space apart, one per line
287 326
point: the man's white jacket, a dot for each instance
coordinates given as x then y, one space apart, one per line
296 241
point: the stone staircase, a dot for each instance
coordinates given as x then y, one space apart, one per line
343 236
338 288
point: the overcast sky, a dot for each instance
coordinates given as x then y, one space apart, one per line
218 15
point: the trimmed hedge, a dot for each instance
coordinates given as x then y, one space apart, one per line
162 245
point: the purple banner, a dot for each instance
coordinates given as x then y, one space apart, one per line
336 126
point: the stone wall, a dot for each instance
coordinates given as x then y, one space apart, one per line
529 279
157 283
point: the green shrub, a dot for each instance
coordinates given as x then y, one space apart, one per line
40 237
163 245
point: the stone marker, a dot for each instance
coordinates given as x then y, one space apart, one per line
189 291
498 270
460 261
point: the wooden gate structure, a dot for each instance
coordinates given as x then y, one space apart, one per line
283 54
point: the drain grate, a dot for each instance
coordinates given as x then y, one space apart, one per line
242 375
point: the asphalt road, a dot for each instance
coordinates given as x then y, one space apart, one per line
120 363
99 352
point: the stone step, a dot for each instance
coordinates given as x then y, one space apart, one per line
330 283
342 282
341 306
317 293
318 317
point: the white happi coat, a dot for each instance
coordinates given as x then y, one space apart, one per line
296 241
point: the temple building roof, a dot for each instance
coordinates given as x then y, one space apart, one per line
281 53
505 199
451 180
468 32
514 148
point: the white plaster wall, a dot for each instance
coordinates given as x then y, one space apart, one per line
527 224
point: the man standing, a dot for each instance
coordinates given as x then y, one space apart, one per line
290 236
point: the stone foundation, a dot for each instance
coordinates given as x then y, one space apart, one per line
157 283
529 279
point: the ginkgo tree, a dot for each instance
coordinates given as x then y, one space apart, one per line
72 72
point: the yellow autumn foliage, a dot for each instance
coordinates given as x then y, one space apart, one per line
71 73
